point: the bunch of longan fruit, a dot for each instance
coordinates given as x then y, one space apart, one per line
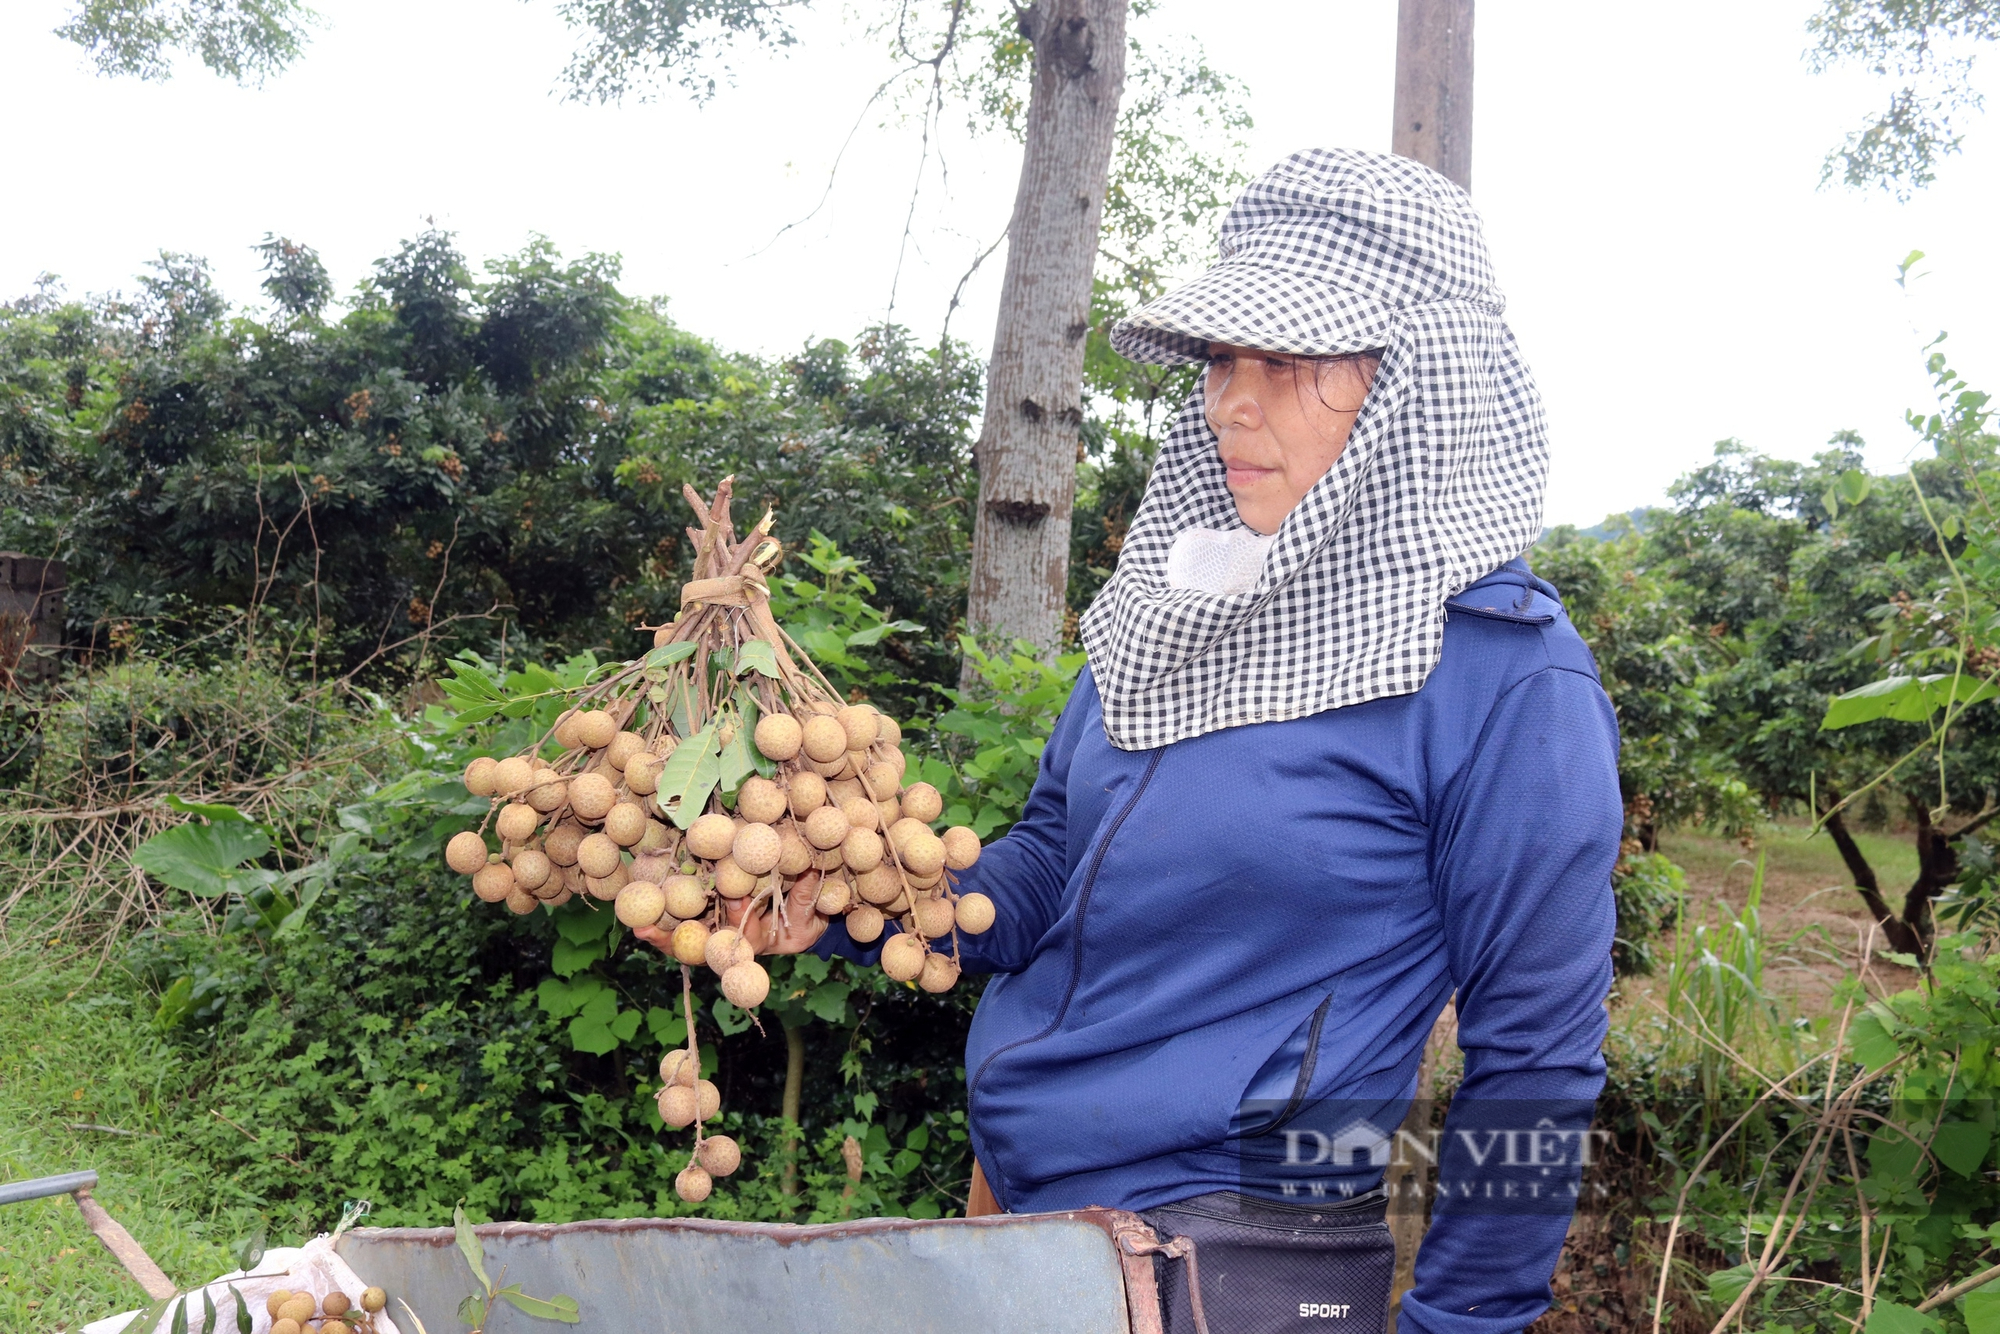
336 1313
829 800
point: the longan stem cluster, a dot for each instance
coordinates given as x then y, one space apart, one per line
638 810
336 1313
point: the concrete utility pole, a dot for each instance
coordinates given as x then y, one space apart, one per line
1434 86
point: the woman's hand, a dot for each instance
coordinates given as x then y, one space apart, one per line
765 930
799 930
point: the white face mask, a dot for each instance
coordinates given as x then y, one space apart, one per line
1222 562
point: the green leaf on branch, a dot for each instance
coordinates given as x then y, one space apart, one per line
759 655
690 775
1961 1146
208 810
666 655
667 1027
1907 699
1981 1309
1726 1285
1896 1318
206 860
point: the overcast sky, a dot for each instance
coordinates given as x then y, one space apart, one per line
1648 175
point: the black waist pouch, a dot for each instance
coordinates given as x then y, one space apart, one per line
1267 1267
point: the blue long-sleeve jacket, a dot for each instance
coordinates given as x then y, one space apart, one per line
1201 944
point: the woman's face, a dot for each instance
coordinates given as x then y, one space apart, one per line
1280 421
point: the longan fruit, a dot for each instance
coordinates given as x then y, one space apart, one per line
623 748
903 957
652 868
299 1306
794 853
861 849
824 738
690 942
571 878
373 1300
830 860
922 854
864 924
778 736
608 886
479 776
677 1067
746 984
707 1100
512 774
517 822
961 847
900 760
859 722
861 813
676 1105
923 881
598 855
284 1324
494 882
922 802
591 796
851 767
595 729
711 836
564 732
934 918
757 848
808 794
760 800
879 886
685 897
904 829
974 913
882 780
732 881
532 868
694 1183
625 824
640 904
335 1303
547 791
642 774
276 1300
726 949
939 973
563 841
840 791
898 907
834 896
891 811
466 852
826 827
828 768
887 729
335 1326
657 838
719 1155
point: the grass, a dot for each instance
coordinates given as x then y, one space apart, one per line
1795 865
75 1051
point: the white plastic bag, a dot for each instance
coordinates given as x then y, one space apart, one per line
312 1268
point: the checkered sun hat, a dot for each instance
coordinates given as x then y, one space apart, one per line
1330 251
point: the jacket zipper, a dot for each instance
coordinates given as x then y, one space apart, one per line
1306 1066
1076 960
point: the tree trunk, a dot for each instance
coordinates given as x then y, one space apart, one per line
1434 86
1034 385
1897 933
795 1078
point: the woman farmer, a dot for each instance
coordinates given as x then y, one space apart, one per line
1337 756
